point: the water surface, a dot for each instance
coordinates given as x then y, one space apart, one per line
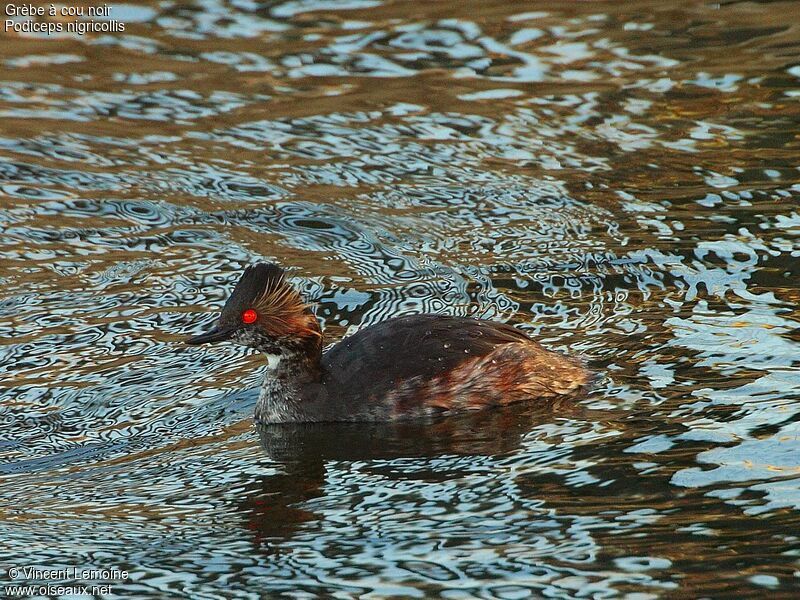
619 179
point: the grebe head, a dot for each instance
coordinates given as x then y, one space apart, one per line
266 313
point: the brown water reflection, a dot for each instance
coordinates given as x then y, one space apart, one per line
620 179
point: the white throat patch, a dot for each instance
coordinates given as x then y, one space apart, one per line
273 360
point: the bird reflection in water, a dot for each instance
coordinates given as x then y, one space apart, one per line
272 505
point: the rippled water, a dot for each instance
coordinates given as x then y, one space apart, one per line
620 179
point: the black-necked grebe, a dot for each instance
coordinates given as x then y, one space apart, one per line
405 367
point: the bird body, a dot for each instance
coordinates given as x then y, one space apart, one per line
403 368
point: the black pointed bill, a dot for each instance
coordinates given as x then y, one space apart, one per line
218 334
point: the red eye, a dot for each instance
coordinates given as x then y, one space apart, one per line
249 316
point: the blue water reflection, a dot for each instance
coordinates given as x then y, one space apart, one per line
618 179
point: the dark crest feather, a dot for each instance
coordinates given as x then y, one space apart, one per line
252 284
280 308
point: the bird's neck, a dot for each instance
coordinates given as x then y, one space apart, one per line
289 372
